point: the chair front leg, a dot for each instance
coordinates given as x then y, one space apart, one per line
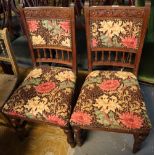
138 139
70 136
79 136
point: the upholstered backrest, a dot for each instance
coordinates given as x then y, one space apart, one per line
51 34
115 35
6 52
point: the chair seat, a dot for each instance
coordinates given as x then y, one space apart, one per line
112 100
45 95
7 84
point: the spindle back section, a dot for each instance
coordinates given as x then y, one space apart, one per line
51 34
6 52
100 2
115 35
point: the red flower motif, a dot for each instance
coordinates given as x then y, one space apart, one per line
94 42
109 85
131 121
13 113
45 87
130 42
65 26
56 120
81 118
33 25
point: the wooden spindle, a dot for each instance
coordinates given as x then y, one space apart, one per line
51 53
62 53
96 55
130 59
116 57
38 53
109 55
102 57
56 54
123 58
68 55
45 55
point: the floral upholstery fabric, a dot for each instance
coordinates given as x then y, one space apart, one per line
111 100
44 95
50 32
115 33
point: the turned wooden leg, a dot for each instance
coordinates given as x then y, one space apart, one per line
80 136
138 139
20 127
17 124
8 122
70 136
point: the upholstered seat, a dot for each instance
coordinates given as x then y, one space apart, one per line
111 99
45 95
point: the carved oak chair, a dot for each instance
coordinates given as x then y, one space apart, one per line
7 81
111 100
46 94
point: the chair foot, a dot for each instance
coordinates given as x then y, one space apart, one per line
70 136
20 127
80 136
138 139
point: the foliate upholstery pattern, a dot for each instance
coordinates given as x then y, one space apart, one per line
44 95
50 32
111 100
115 33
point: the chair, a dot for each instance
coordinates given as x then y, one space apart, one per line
46 94
111 100
7 81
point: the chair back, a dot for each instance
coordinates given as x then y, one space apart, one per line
34 3
51 34
100 2
115 35
6 52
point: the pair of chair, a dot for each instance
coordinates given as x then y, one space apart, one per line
109 100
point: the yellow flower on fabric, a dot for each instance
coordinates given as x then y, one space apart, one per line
38 40
65 75
34 73
36 106
107 104
94 29
94 74
68 91
66 42
132 27
134 88
106 74
125 75
111 28
19 107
